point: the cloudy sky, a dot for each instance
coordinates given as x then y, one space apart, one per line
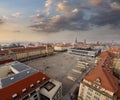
59 20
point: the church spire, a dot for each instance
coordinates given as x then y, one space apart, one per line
76 40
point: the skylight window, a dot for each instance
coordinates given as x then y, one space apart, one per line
49 85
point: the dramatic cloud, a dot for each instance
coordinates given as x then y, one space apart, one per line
75 10
17 14
95 2
58 22
38 16
78 15
69 7
115 6
107 18
48 4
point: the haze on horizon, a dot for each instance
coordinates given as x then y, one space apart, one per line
59 20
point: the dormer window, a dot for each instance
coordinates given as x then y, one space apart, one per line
32 85
43 78
98 81
38 81
15 96
24 90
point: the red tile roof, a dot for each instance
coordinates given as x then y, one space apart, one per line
6 61
3 52
103 72
107 53
118 93
28 48
108 81
48 45
115 50
7 92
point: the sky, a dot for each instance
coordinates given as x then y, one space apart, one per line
59 20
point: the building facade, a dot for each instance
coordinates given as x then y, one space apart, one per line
23 54
100 83
84 51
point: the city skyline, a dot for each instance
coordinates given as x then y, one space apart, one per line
59 20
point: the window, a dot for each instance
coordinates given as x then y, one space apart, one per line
49 85
98 80
26 98
15 96
96 98
24 90
36 99
42 97
32 93
32 85
97 93
89 93
55 98
88 97
90 89
35 96
38 81
110 99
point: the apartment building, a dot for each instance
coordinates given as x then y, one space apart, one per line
27 53
20 82
100 83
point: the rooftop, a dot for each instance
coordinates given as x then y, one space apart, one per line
35 80
85 49
16 77
103 72
13 72
50 88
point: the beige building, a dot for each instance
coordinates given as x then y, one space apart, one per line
100 83
62 47
27 53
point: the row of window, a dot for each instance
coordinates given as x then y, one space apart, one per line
35 97
24 90
89 98
90 93
58 94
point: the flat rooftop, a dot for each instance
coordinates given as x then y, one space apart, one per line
50 88
87 49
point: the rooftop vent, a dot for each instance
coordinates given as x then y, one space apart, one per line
98 81
11 78
28 72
